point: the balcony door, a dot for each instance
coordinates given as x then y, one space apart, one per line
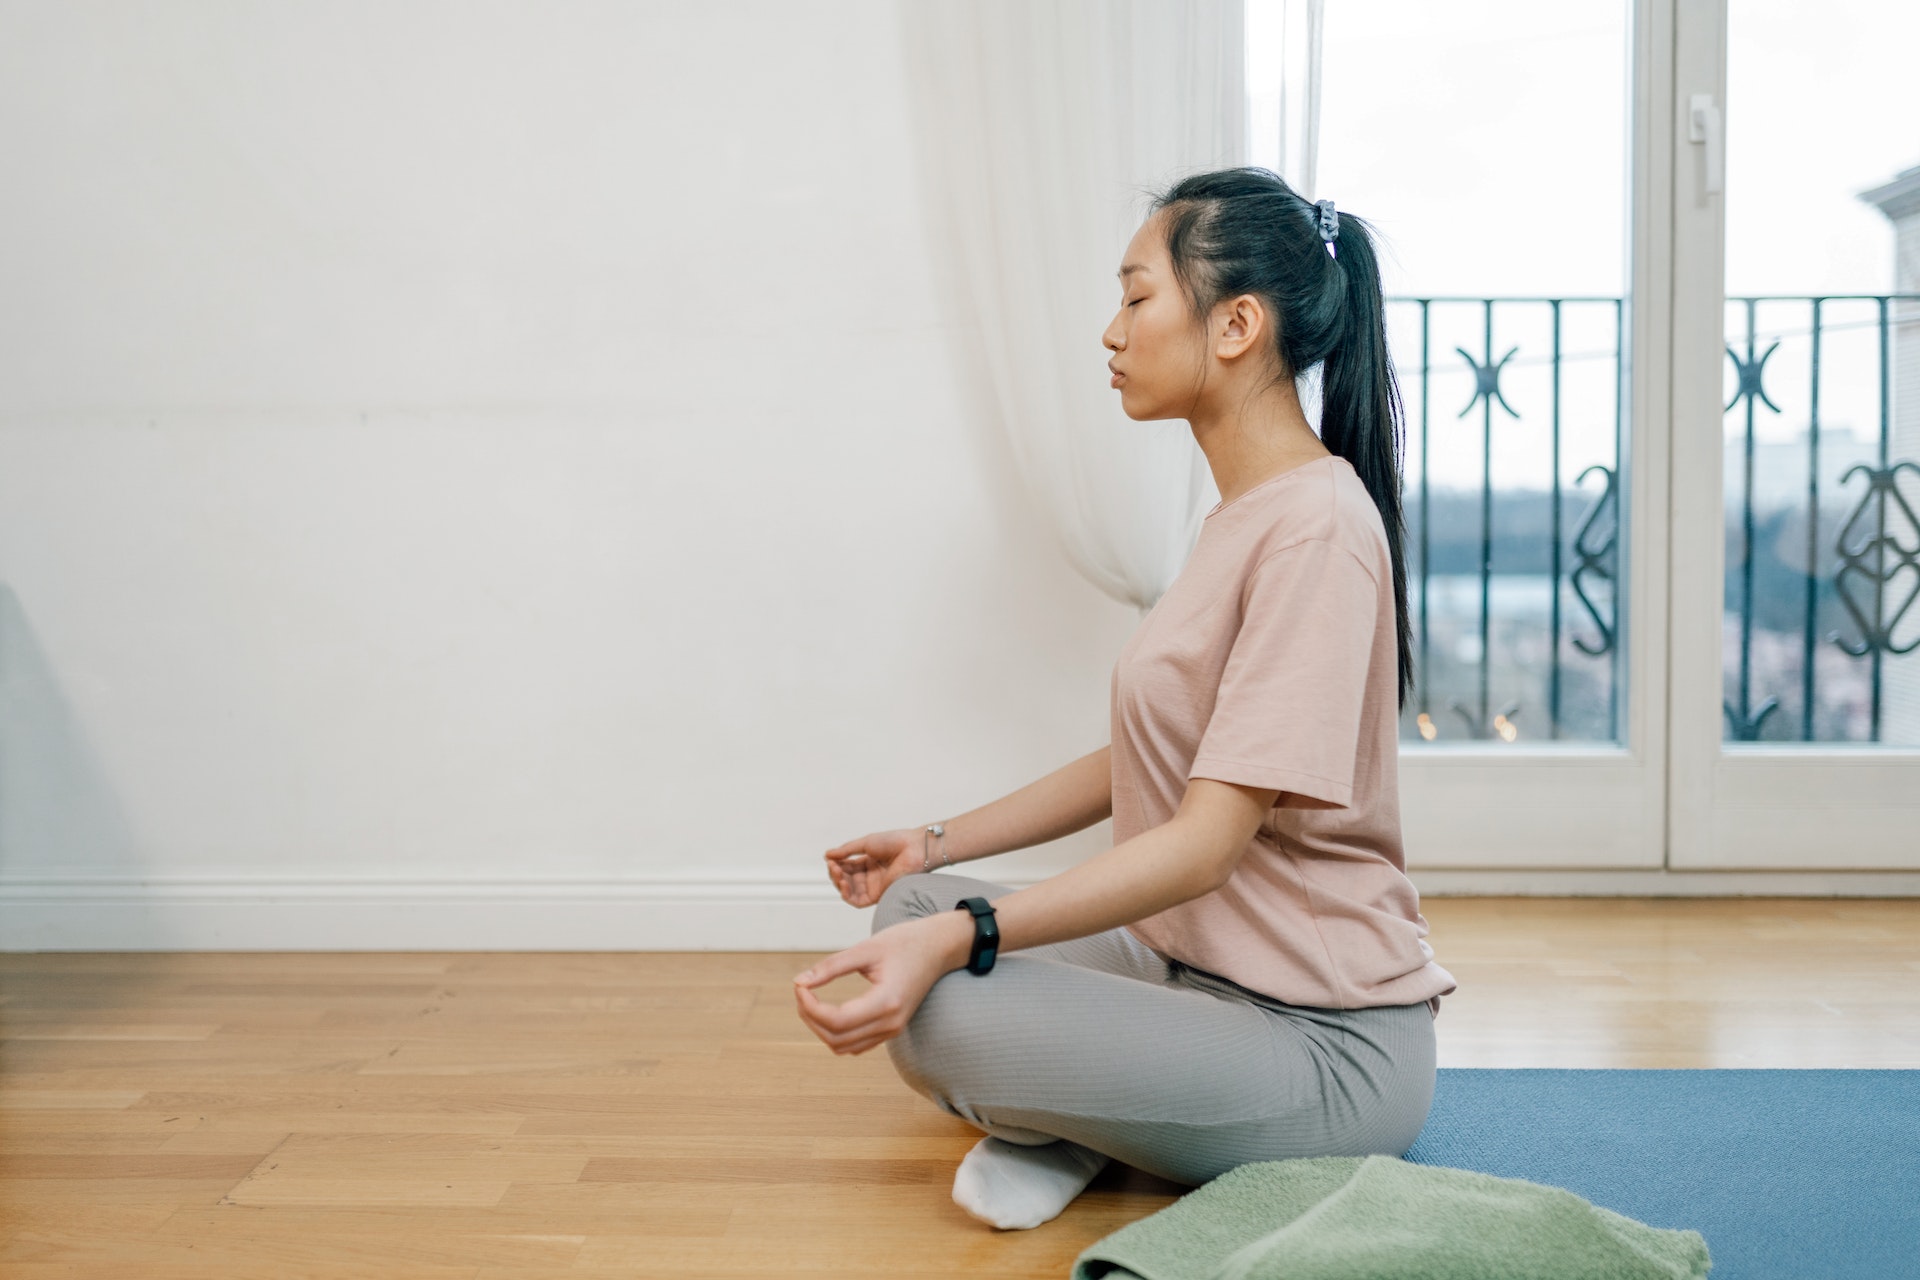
1796 432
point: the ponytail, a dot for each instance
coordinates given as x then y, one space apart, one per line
1244 230
1361 416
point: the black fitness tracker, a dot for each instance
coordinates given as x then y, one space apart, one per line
986 934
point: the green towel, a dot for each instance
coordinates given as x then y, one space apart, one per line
1368 1217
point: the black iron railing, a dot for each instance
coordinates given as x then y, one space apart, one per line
1876 543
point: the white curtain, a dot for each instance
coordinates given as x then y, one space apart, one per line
1292 30
1284 40
1041 125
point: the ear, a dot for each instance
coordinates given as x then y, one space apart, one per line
1241 326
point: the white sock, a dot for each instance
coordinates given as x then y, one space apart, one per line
1011 1186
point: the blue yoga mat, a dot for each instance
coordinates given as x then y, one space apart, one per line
1790 1175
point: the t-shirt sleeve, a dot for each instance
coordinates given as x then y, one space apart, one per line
1287 714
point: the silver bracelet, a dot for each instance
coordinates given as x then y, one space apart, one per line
936 829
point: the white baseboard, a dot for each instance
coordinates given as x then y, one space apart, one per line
308 914
1453 882
253 914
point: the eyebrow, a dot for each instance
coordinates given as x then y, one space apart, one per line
1130 268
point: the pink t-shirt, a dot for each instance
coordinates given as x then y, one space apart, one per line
1272 661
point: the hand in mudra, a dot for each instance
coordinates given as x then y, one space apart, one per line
863 868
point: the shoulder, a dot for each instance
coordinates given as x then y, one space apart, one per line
1331 515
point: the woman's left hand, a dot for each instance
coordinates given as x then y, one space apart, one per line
902 961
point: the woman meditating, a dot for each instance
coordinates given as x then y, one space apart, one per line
1244 976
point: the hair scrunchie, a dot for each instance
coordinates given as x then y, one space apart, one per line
1329 221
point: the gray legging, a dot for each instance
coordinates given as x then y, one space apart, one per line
1168 1068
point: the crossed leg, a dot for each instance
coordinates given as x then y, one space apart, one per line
1098 1041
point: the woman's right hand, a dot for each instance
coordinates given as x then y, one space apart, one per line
863 868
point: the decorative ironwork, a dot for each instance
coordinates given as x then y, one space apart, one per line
1593 560
1747 728
1876 577
1750 386
1867 562
1871 553
1811 586
1486 382
1480 715
1750 372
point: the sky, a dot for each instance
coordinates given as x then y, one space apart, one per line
1487 141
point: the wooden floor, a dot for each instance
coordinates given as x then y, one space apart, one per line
522 1115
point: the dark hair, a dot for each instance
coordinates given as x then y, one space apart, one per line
1244 230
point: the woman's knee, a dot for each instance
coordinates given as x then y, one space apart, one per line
930 1034
951 1050
907 897
954 1042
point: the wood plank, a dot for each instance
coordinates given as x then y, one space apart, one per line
609 1114
150 1164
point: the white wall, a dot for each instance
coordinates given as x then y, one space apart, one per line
493 475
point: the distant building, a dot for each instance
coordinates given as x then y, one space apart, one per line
1899 200
1780 469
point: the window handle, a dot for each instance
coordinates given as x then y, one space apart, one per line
1703 126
